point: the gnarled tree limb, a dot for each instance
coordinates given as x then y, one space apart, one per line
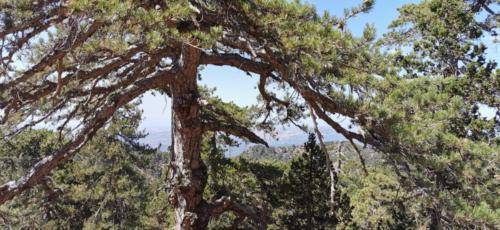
42 168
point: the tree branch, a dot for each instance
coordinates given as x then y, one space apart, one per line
42 168
225 204
57 53
236 61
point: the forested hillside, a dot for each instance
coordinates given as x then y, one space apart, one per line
418 107
287 153
120 186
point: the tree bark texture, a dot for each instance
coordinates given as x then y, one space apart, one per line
187 171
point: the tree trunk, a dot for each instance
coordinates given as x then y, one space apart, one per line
187 173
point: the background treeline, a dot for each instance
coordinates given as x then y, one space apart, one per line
115 182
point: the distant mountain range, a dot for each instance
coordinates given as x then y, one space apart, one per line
159 136
285 147
287 153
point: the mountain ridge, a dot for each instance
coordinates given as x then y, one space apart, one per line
287 153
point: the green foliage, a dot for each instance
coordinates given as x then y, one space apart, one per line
111 183
431 113
455 158
293 192
379 199
256 184
307 196
444 40
418 105
121 186
17 155
426 27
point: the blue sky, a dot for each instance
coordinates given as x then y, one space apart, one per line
234 85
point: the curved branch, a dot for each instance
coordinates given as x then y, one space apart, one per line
225 204
216 119
126 68
315 98
235 130
36 21
269 97
57 54
360 157
42 168
336 126
236 61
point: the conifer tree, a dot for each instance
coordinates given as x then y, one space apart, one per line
82 60
307 201
108 184
77 62
445 54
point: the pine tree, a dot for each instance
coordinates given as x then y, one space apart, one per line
255 185
307 202
79 62
108 184
441 106
87 59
